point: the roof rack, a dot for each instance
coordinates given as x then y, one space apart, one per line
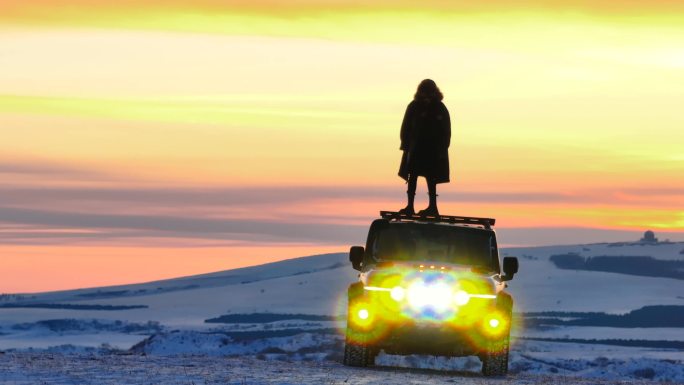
487 223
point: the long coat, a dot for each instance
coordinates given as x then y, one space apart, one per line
425 139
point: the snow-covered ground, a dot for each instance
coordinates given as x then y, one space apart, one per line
599 332
31 368
174 311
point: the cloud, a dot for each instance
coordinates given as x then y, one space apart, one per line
44 169
223 232
16 192
21 174
176 226
179 196
533 236
44 10
249 196
654 192
138 214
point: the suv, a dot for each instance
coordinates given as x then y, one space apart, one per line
430 285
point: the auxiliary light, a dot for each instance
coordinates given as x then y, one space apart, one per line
437 296
495 324
362 315
398 293
461 298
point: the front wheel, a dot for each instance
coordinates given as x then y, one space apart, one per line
357 351
495 358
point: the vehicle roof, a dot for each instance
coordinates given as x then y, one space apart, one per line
486 223
442 224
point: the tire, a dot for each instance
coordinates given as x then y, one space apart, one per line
495 358
358 353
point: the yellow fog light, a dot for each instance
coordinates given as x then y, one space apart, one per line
495 325
398 293
362 315
461 298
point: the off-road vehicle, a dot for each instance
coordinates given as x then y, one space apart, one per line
430 285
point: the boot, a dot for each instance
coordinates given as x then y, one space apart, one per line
409 210
431 210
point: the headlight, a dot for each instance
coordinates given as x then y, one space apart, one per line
437 296
361 315
461 298
398 293
495 324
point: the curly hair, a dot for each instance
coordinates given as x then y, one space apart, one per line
428 90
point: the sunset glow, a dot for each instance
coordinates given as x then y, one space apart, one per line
154 139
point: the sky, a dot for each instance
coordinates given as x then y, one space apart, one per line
152 139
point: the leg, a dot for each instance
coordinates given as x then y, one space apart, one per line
431 210
432 192
410 195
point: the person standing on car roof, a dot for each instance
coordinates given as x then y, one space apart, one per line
425 139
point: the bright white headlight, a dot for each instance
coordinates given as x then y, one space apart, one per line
440 296
437 295
417 295
461 298
398 293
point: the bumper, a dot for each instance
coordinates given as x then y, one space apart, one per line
431 340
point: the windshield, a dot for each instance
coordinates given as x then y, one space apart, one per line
435 243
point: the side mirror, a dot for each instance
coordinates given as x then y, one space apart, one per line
356 256
510 267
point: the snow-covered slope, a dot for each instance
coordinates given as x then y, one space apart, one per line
317 284
309 285
540 286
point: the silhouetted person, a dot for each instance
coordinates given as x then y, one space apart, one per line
425 137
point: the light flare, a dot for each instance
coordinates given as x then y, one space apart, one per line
461 298
438 296
398 293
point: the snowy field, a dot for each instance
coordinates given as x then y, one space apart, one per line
158 330
31 368
591 332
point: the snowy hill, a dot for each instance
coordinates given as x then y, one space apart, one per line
174 311
316 284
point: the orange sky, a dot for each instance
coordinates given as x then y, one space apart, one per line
199 136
